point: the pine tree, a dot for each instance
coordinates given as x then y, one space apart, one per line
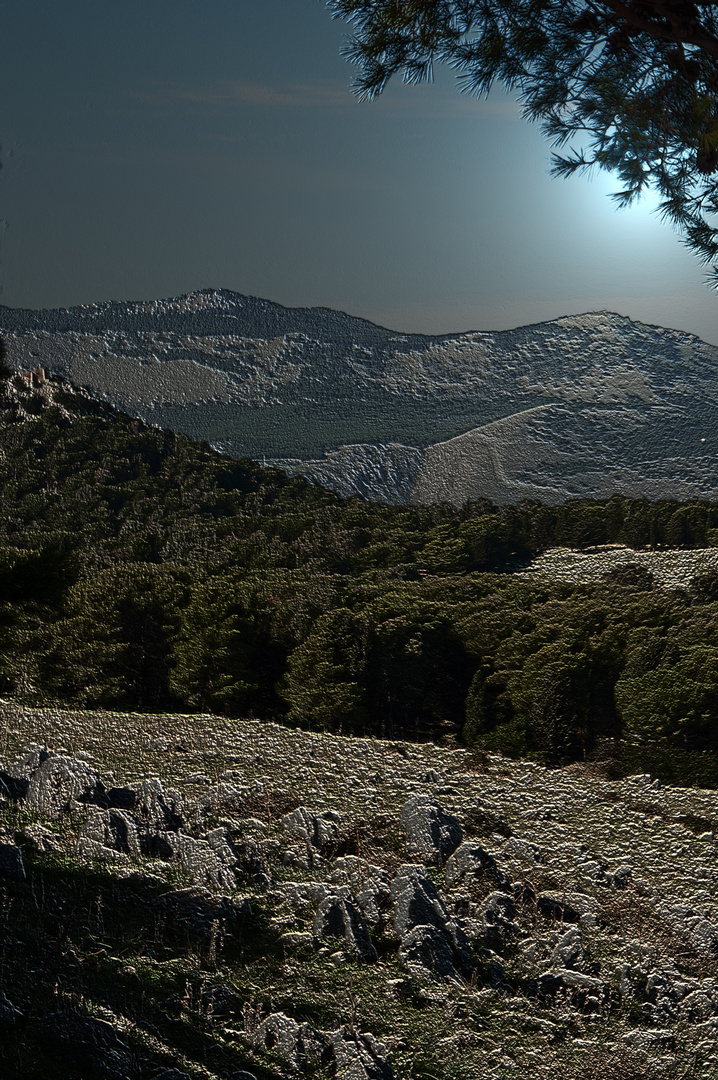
640 76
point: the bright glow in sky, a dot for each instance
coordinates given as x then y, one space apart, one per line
154 147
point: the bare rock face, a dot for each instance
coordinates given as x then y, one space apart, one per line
59 782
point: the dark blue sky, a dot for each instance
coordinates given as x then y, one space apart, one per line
153 147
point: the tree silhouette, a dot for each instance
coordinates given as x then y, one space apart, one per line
640 76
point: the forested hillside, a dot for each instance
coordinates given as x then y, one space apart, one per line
143 571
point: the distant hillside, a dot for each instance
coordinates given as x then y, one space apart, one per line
585 406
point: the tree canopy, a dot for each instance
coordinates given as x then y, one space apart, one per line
640 76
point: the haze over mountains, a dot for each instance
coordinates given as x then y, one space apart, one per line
588 405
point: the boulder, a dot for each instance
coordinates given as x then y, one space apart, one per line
16 777
59 782
690 924
425 954
522 851
582 986
41 839
369 885
469 861
298 1044
92 849
119 830
358 1056
320 831
339 918
430 832
198 858
651 1041
417 903
566 907
11 865
569 951
496 915
159 809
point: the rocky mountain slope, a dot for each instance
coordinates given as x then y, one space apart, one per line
583 406
211 898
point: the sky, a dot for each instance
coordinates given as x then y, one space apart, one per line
154 147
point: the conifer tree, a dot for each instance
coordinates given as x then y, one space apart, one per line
640 76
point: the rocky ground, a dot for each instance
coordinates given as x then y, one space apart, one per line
189 896
672 569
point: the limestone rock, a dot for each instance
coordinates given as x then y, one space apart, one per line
469 861
318 830
206 865
298 1044
430 832
359 1056
417 903
59 782
119 830
339 918
425 953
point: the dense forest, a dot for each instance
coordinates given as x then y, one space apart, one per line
142 571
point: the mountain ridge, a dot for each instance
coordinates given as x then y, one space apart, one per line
586 405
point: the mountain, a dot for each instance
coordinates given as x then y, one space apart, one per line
585 406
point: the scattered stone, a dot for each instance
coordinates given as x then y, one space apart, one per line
417 903
497 914
119 830
159 809
569 951
369 885
651 1041
41 839
298 1044
297 940
206 865
581 985
566 907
